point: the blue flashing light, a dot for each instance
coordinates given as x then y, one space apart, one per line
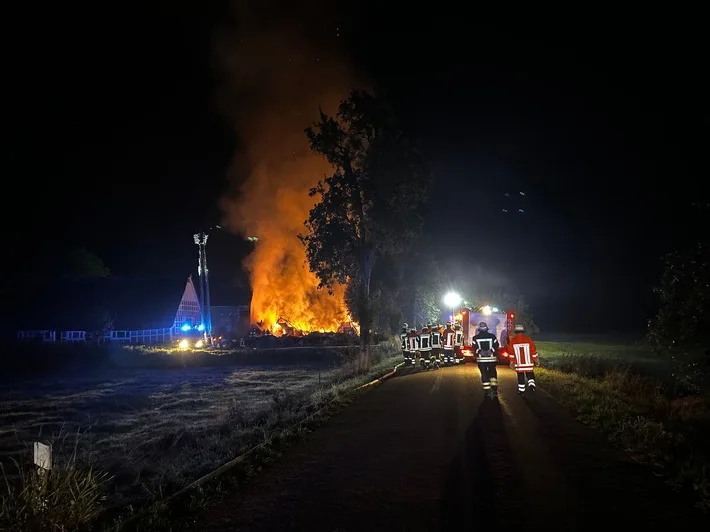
185 327
201 327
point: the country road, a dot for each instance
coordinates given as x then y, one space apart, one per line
426 451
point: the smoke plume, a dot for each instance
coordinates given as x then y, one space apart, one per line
278 69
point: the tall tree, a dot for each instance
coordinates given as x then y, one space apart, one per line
422 286
684 292
515 303
369 206
684 289
81 262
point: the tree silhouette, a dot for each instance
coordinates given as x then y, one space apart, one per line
369 206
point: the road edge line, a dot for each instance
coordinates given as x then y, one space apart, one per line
240 458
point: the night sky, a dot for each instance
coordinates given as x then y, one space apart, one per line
120 147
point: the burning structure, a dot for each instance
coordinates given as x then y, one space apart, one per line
276 78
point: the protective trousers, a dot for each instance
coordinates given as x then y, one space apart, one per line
448 356
522 375
489 375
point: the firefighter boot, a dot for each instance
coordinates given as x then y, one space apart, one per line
494 391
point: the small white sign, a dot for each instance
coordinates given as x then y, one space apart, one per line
43 455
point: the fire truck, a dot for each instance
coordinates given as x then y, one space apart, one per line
499 323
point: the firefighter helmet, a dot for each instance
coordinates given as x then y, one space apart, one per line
483 326
405 326
519 328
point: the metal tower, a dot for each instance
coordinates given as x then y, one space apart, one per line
201 241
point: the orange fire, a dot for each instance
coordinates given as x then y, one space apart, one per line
275 81
282 285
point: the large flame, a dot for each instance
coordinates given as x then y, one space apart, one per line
282 285
276 79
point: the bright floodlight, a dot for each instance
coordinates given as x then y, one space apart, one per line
184 344
487 310
452 299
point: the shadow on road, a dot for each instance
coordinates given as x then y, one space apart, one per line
481 476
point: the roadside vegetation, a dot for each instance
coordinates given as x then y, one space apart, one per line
131 456
641 401
652 397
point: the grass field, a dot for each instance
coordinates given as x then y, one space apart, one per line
641 400
154 430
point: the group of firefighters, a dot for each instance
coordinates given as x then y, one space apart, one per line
436 346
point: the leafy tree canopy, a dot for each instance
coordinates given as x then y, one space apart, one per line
83 263
369 207
684 294
64 261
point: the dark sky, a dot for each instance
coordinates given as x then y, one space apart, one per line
592 115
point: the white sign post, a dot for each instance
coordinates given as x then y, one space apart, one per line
43 456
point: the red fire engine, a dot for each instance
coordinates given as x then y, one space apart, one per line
499 323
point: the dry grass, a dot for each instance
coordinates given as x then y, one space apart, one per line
628 398
67 497
153 431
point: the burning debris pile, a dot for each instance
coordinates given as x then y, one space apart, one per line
282 327
275 80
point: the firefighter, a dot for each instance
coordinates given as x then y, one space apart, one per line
412 345
435 344
486 347
449 339
523 358
425 347
458 344
403 337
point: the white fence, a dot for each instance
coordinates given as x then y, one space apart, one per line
44 336
139 337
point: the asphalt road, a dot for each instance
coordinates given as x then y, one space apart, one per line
426 451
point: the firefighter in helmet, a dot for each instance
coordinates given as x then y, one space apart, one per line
413 345
486 348
523 358
403 337
458 344
448 338
425 347
435 344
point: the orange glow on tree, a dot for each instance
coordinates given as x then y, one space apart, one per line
273 205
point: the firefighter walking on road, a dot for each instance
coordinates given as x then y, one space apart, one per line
458 344
425 347
435 344
523 358
403 337
413 345
449 339
486 345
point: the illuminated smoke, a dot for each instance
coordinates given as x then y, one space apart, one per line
276 75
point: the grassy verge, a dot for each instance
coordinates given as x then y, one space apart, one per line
96 499
639 410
